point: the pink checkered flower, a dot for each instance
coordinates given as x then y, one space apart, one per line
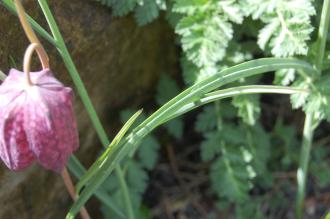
36 121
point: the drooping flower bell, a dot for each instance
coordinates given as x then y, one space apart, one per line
36 120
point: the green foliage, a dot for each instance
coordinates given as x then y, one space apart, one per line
206 120
148 10
211 146
148 152
287 29
136 174
206 29
288 25
299 100
145 10
285 139
250 210
259 146
120 8
327 216
248 108
167 88
239 153
193 74
230 176
318 101
284 76
320 168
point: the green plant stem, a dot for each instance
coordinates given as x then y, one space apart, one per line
310 124
83 93
125 193
322 35
303 166
11 7
78 171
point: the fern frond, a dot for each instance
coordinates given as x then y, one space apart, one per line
206 29
288 25
248 107
231 177
145 10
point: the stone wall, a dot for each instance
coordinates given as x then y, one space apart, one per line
119 62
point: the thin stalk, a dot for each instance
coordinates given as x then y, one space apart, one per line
82 92
303 165
310 124
27 61
125 193
322 34
11 7
70 187
78 171
34 46
31 34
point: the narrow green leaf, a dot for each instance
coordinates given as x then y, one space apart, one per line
328 216
169 110
78 170
2 76
96 165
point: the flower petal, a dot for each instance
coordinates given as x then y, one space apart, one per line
51 126
14 147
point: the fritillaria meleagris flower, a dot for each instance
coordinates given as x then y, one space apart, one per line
36 121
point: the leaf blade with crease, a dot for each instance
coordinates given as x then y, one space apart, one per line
100 161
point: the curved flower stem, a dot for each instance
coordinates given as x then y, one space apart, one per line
36 45
27 60
31 35
9 5
70 187
83 94
310 123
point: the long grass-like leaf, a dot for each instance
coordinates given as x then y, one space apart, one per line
78 170
192 94
98 164
235 91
